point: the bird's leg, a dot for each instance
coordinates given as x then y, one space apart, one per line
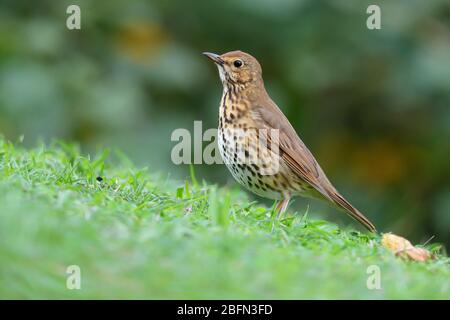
280 209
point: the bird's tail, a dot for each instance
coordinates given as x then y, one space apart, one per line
341 202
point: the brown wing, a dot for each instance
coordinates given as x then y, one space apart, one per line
297 156
292 149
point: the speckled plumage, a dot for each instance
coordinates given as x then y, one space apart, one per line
238 141
258 144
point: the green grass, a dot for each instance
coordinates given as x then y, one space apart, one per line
138 235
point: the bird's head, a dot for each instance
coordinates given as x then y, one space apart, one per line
237 68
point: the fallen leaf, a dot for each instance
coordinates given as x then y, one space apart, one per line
403 248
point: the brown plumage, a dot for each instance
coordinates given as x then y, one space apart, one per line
246 117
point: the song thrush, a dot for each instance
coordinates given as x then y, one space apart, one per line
282 166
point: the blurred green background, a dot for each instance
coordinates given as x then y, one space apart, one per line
372 105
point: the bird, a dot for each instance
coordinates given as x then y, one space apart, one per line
259 145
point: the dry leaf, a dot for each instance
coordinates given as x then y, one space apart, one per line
403 248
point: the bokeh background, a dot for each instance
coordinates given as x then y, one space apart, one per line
373 106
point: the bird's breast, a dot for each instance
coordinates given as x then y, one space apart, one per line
234 108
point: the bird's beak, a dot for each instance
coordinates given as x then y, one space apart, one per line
214 57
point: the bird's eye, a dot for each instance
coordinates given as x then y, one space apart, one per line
238 63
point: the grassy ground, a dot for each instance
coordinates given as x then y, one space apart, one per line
135 235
